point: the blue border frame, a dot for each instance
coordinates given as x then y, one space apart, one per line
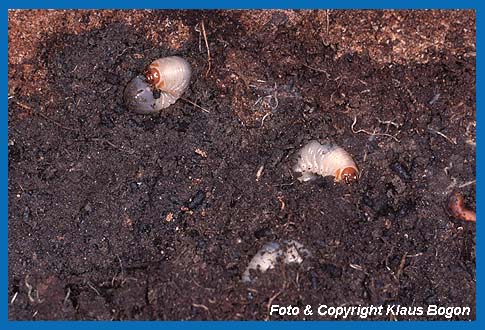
249 4
221 4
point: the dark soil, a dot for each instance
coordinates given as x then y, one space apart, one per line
114 215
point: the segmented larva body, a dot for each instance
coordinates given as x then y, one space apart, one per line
288 252
457 209
171 75
325 159
164 82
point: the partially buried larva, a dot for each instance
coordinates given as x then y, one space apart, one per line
165 80
325 159
288 252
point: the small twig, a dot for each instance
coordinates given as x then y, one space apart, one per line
256 103
206 46
271 97
414 255
454 183
122 52
23 105
470 135
56 123
259 172
122 273
92 287
264 117
448 168
388 122
453 141
195 105
130 152
318 70
434 99
68 294
357 267
201 306
196 28
269 101
270 301
451 186
105 90
370 133
14 297
280 198
29 290
467 184
401 265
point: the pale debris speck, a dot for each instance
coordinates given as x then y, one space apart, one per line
200 152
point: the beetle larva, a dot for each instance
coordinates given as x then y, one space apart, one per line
457 209
325 159
288 252
165 80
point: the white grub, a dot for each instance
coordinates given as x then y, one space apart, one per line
272 253
170 75
163 83
325 159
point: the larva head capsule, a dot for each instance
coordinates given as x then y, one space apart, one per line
152 76
349 175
